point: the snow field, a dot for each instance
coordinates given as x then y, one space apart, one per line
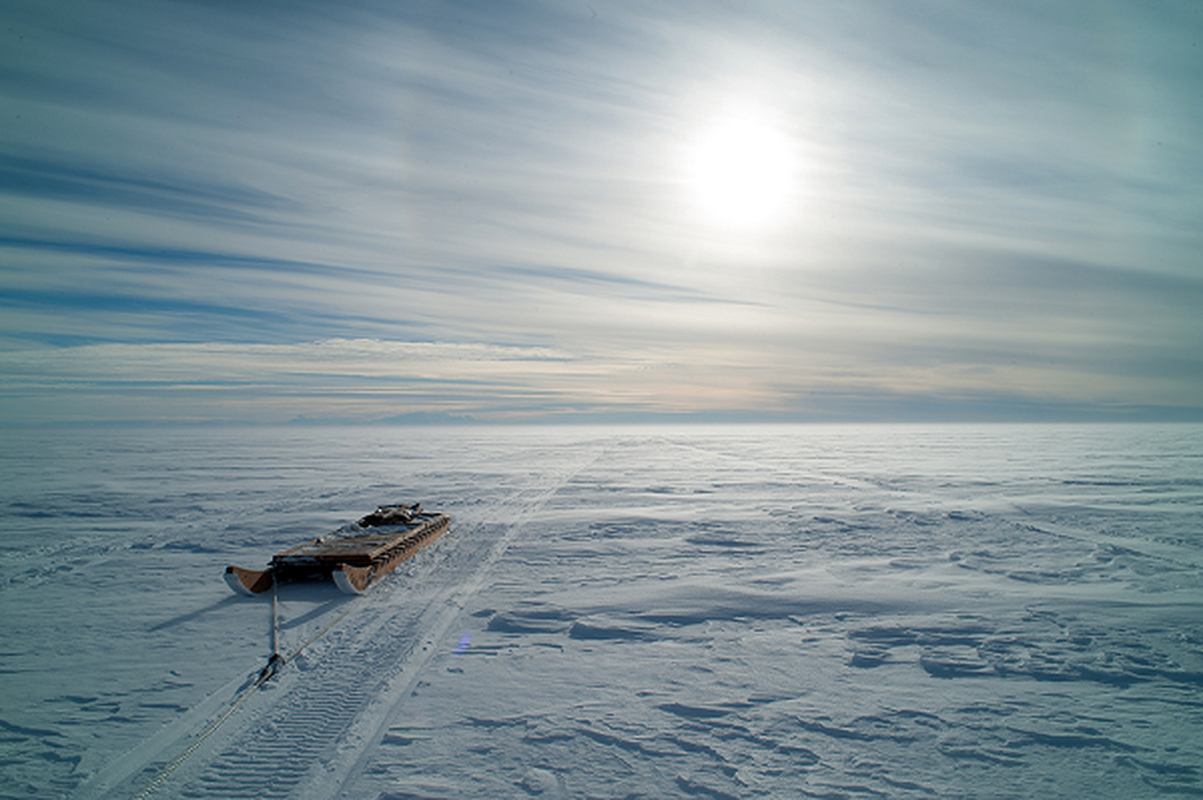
994 611
685 643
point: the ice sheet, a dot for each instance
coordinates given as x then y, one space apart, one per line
696 612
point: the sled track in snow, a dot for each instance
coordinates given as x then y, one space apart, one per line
317 733
271 758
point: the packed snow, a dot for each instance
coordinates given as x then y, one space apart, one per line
619 612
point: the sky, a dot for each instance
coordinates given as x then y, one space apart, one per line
589 211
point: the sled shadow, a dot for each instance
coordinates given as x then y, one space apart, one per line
191 615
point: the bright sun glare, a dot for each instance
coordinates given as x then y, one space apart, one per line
741 172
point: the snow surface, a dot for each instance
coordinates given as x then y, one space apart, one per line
699 612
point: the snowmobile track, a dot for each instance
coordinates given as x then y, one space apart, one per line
311 733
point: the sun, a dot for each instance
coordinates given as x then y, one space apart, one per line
741 172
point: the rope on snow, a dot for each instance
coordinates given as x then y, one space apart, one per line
274 663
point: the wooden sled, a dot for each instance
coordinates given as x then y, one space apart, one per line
354 557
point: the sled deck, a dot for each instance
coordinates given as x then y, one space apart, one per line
354 556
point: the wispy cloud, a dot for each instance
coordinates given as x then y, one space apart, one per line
262 212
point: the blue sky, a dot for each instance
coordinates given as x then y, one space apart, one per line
257 212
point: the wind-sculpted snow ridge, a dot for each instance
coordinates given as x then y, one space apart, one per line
749 647
691 613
